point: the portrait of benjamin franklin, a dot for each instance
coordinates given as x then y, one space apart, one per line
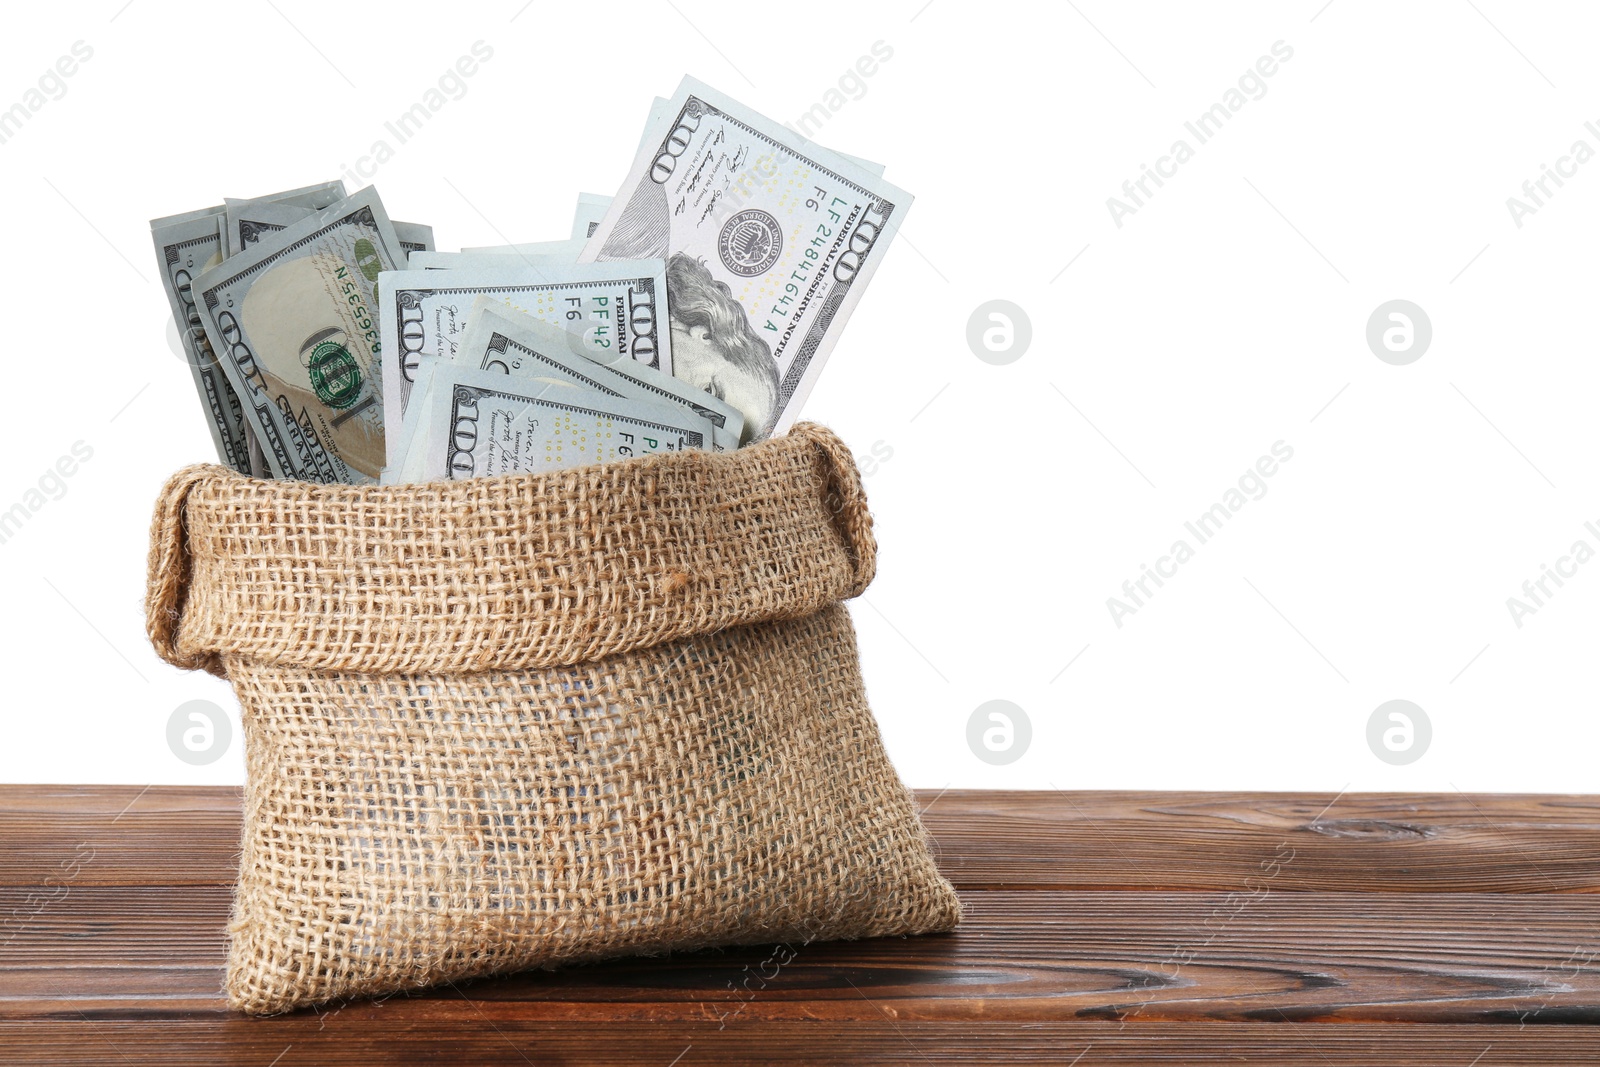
715 348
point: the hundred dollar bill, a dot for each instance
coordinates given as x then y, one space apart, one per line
249 220
769 241
186 245
658 108
254 219
243 222
581 376
259 467
310 197
483 423
291 325
406 464
609 307
509 342
238 234
500 339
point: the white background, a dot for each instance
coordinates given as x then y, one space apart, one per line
1225 315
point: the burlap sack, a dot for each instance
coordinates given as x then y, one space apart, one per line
531 720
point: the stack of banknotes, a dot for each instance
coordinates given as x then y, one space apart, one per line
693 310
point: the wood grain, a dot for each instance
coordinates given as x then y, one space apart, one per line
369 1035
1156 928
1182 842
1034 955
136 835
1387 842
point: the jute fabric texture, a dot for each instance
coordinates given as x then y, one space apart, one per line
534 720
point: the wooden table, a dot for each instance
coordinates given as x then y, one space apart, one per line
1103 928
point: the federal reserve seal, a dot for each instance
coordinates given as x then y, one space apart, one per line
750 242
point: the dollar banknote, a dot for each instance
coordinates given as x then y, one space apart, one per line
658 109
501 339
244 220
291 324
186 246
254 219
486 423
608 307
769 241
511 343
506 341
310 197
330 343
259 467
407 463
